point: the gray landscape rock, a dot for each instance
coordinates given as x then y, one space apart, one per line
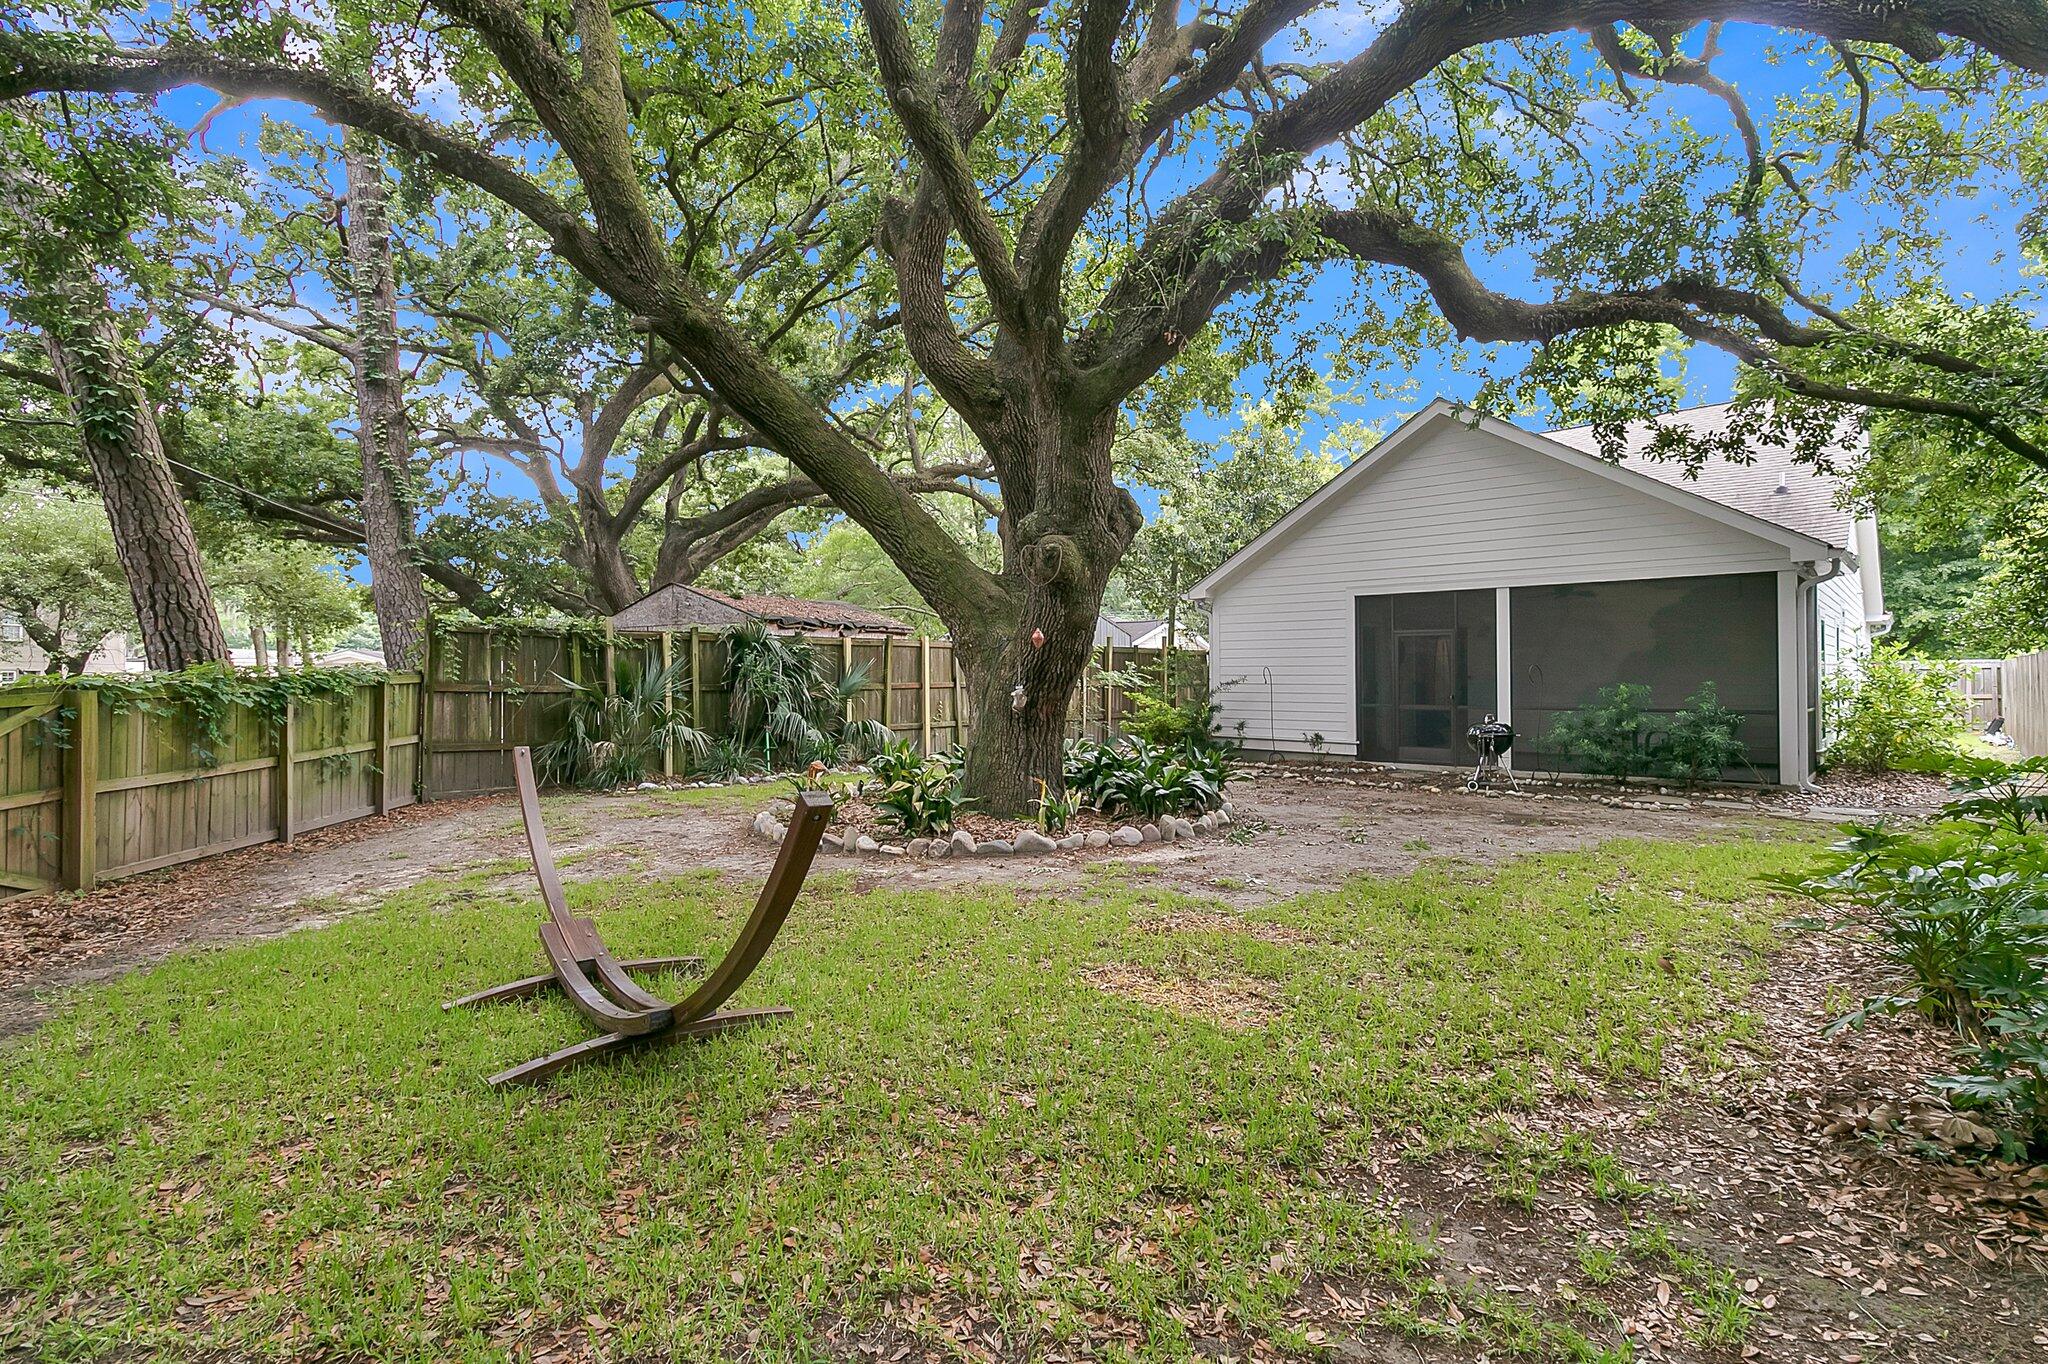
831 842
889 850
919 847
1096 838
995 847
1032 841
1148 833
1071 842
1126 837
1223 818
940 848
865 844
963 842
1206 824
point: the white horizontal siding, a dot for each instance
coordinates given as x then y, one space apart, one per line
1838 605
1460 508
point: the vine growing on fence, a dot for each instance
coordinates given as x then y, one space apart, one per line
206 698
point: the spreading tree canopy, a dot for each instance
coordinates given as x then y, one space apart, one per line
1074 213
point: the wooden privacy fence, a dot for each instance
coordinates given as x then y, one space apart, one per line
1979 683
94 786
2024 694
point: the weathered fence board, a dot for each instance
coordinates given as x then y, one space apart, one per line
1979 683
94 787
2024 684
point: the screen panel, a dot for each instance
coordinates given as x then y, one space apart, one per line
1669 634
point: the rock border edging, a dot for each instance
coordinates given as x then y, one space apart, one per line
1028 842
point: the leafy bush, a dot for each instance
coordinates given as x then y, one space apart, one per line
1605 738
1960 911
782 698
1700 743
919 796
1133 777
617 737
1892 713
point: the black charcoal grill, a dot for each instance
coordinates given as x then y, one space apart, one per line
1490 738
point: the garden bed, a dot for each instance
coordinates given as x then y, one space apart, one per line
859 827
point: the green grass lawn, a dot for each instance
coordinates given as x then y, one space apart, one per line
286 1146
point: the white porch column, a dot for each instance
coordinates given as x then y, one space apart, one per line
1792 757
1503 667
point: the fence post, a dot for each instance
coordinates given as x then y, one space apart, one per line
81 795
383 723
846 671
287 740
425 747
924 692
668 701
960 716
696 677
1108 690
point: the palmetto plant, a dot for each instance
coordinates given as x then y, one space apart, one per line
783 699
616 736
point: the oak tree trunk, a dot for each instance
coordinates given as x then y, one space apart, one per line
1063 535
383 433
153 536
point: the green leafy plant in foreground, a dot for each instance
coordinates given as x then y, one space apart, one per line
1960 911
919 796
2008 795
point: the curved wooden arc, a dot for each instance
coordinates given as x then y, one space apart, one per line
600 986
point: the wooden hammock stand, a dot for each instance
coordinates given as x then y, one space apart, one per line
598 984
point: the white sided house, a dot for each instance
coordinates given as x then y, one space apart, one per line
1466 567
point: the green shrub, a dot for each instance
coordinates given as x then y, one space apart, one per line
1189 723
617 737
1892 713
919 796
1605 738
1133 777
1700 743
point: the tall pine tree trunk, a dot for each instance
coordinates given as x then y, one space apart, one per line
153 536
382 430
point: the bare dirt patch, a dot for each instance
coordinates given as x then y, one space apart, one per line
1205 921
1229 1001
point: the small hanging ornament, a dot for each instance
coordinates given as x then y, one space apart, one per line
1017 697
1038 639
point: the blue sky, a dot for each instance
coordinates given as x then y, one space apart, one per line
1981 233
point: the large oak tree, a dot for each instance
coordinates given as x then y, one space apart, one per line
1064 197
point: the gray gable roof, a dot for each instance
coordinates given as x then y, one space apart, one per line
1807 503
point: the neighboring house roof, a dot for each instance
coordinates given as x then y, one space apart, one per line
1776 488
1660 480
675 606
1110 630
